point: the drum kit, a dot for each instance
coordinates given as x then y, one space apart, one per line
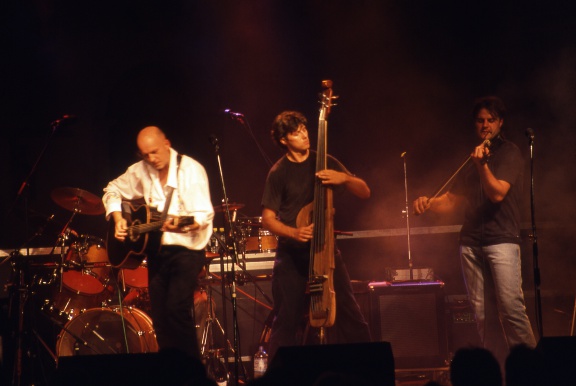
76 289
98 309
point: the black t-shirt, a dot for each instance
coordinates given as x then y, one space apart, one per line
488 223
290 186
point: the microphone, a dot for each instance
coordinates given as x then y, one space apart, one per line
233 115
530 133
214 141
65 118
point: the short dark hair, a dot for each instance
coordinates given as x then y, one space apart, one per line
285 123
492 104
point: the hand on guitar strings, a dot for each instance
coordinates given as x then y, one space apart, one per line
171 225
331 177
120 228
304 233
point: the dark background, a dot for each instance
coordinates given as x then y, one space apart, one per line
407 73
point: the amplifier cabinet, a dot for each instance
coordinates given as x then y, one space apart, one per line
411 316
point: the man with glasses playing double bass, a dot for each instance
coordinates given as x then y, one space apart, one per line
491 190
290 187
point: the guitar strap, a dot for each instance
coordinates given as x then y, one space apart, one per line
164 214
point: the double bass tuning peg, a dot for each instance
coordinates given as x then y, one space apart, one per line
326 100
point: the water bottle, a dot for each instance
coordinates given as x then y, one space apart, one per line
213 244
260 362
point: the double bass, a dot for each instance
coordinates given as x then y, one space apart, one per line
320 212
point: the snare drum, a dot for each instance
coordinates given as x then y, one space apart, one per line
101 331
265 241
257 239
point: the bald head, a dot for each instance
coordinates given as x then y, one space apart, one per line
154 147
150 133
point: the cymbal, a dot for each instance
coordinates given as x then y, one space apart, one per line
78 200
231 206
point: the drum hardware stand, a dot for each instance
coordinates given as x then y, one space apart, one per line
23 290
207 342
233 251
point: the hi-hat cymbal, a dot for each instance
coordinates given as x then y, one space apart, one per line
78 200
231 206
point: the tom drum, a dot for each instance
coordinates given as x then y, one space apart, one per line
88 266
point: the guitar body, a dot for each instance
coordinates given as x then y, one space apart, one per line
138 245
144 236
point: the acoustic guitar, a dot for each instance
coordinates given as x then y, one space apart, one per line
143 238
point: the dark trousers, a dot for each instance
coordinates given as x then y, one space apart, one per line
172 279
291 302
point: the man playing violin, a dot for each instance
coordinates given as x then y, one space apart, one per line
491 191
289 187
173 270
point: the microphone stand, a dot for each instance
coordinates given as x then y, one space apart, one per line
232 274
19 274
244 122
410 266
538 301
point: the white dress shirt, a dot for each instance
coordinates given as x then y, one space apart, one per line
191 196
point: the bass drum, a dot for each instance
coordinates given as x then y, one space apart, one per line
101 331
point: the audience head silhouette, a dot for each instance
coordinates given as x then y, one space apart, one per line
475 366
524 367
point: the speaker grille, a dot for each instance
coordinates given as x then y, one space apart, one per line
411 318
408 323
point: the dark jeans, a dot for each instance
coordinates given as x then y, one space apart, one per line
291 302
172 279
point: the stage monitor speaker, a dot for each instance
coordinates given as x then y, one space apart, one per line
558 355
410 315
350 364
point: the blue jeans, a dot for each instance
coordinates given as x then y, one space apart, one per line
504 265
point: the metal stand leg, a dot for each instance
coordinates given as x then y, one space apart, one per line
573 317
207 342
